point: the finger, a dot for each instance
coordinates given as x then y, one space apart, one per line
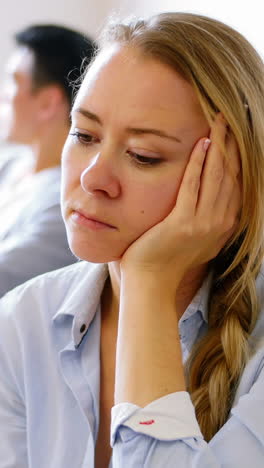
234 159
228 201
228 206
190 185
213 170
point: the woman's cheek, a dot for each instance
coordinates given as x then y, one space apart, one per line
156 205
72 163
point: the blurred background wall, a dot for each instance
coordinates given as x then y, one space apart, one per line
89 15
85 15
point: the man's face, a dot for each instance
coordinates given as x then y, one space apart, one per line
18 101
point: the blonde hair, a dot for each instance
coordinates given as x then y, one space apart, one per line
227 74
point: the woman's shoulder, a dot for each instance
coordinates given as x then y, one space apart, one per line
256 338
260 279
259 329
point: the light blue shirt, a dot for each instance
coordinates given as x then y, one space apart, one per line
50 380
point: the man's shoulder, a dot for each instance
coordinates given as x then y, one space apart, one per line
13 161
45 292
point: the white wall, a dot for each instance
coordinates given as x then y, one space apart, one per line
85 15
245 16
89 15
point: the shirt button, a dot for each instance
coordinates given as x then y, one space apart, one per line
83 328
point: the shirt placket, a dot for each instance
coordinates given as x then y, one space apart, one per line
72 371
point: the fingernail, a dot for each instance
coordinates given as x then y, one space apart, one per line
206 144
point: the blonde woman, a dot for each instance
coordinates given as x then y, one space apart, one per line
152 356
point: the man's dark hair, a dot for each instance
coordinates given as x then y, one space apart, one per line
59 53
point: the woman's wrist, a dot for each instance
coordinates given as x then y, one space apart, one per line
149 360
150 281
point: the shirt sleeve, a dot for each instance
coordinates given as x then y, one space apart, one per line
165 434
38 247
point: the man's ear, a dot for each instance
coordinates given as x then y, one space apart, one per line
50 100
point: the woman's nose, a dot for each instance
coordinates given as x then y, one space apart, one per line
99 176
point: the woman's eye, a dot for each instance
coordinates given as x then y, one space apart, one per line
84 138
144 160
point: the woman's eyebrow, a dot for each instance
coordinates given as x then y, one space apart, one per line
132 130
87 114
152 131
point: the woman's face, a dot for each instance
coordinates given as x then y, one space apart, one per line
134 124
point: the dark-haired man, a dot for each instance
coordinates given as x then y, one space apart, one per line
35 104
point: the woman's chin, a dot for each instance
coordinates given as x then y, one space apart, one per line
94 256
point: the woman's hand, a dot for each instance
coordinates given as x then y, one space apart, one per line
149 360
204 216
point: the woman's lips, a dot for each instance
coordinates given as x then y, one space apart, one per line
89 221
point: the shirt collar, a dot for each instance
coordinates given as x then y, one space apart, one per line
82 301
200 301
